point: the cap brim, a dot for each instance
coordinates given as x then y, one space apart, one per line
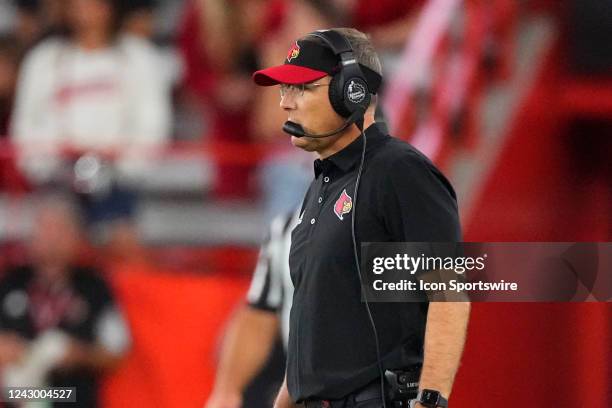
287 74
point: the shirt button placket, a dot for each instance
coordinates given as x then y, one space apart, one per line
323 190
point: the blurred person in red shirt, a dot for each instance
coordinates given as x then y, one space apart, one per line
217 41
59 323
387 22
9 64
9 60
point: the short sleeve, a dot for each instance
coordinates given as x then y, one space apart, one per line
419 204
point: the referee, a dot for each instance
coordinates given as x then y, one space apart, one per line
339 345
253 330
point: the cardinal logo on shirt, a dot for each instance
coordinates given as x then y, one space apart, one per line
343 205
294 51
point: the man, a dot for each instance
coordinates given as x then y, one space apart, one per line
253 331
59 324
336 343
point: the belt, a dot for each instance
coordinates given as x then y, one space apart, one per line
369 392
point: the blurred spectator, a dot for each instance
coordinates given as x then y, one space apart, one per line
217 41
140 19
38 19
92 90
387 22
59 325
9 60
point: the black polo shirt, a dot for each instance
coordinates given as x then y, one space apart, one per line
402 198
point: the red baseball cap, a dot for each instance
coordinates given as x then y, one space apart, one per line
308 61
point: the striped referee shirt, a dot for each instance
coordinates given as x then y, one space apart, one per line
271 287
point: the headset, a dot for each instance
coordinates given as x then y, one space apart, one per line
349 93
350 97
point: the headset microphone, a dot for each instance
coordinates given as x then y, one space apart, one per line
297 130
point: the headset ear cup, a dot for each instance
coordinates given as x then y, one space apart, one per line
336 96
356 95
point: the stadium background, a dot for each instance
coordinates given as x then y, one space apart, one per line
512 99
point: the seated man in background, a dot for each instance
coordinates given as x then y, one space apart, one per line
59 324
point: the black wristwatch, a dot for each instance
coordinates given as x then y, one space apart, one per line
429 399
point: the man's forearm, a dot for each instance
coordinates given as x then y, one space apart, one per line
444 341
246 348
90 356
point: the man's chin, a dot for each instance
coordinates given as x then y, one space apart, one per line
304 143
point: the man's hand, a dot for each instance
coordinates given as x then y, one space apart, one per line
12 348
83 355
76 352
224 399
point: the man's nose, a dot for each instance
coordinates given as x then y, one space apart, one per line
287 101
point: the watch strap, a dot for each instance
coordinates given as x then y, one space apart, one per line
442 402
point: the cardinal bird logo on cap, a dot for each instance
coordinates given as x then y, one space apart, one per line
294 51
343 205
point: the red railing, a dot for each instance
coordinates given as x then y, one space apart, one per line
433 95
230 153
219 153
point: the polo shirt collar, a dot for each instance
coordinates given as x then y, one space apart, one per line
348 157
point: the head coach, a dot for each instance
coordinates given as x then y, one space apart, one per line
368 187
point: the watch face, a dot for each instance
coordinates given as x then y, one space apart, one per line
430 397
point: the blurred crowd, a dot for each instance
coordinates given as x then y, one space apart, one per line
93 91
